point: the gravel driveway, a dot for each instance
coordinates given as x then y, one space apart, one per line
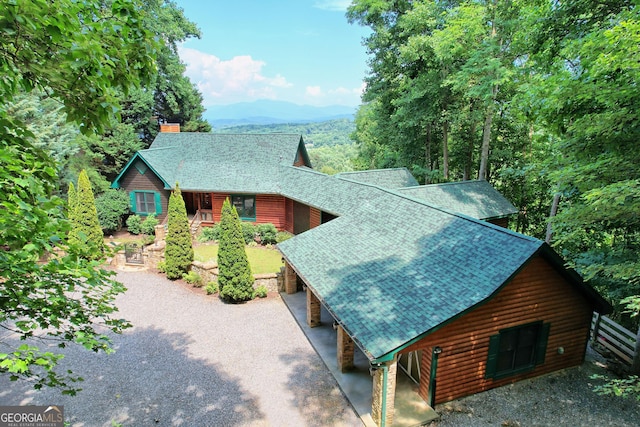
191 360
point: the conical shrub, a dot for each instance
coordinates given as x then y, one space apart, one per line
234 278
178 252
86 232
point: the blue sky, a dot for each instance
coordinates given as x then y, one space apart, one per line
301 51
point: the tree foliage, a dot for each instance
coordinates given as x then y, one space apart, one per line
112 206
86 232
178 253
81 53
538 97
234 279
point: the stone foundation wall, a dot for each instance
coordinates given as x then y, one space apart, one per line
153 254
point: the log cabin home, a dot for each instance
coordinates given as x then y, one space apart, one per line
427 273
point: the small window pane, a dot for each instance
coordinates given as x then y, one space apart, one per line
145 202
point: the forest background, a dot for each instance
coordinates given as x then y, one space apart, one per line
537 97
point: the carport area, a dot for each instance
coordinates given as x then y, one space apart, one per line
357 383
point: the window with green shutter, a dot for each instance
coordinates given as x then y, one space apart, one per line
245 205
145 202
517 350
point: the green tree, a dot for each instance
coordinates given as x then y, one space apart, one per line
234 279
588 101
72 201
112 205
86 231
178 253
79 53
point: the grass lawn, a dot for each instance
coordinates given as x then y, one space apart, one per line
262 260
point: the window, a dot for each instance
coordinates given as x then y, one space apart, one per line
246 206
516 350
145 202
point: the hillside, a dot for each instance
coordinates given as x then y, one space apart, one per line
316 134
264 111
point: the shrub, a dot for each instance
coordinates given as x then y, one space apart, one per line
267 233
235 279
148 239
148 227
134 224
85 232
162 266
261 291
282 236
248 232
193 278
178 252
211 288
209 234
112 206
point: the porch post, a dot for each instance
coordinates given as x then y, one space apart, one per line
345 350
290 279
313 309
384 393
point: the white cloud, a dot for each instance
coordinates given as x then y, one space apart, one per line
315 95
239 79
333 5
314 91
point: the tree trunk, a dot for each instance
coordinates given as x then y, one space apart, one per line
486 139
445 150
469 160
554 210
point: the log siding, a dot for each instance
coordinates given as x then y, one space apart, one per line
133 180
537 293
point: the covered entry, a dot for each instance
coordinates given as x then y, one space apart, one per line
360 380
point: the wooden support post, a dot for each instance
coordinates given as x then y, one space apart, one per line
345 350
313 309
290 279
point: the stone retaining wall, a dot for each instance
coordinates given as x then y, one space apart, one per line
153 254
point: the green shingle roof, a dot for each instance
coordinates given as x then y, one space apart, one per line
385 178
391 268
477 199
243 163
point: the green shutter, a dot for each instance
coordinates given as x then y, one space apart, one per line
492 358
541 346
158 203
132 201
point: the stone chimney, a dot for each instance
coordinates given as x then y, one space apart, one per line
170 127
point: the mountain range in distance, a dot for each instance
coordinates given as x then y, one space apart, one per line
264 112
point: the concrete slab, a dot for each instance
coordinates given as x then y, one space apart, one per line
357 384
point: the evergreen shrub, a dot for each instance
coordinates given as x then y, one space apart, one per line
178 251
112 206
248 232
209 234
134 224
234 278
267 233
211 288
261 291
193 278
148 227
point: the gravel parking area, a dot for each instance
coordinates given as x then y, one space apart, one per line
191 360
563 398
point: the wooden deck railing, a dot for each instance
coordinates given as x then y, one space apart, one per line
620 341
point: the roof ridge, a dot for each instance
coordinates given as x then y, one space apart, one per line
446 211
440 184
156 148
373 170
